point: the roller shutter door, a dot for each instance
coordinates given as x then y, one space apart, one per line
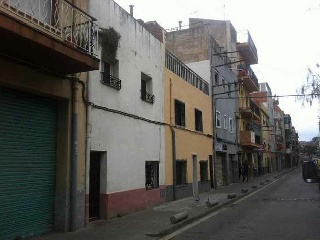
27 164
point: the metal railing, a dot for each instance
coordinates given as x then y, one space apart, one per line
145 96
247 71
111 81
59 18
254 108
183 71
246 38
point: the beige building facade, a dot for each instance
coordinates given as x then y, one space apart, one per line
188 132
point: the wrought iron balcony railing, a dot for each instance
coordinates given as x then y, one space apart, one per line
247 71
111 81
182 70
145 96
58 18
254 107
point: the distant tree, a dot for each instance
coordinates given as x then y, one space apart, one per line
310 149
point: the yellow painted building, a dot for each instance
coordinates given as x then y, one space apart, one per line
188 131
249 111
266 139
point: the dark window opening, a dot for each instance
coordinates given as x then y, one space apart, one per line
152 174
203 171
109 74
146 88
179 108
198 120
216 78
181 172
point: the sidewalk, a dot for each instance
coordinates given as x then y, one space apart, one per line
155 222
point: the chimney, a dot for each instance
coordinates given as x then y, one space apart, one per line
180 23
131 10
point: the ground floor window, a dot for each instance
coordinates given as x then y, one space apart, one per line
203 171
181 170
152 174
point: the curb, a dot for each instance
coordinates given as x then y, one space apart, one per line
165 232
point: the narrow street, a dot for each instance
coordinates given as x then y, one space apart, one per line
286 209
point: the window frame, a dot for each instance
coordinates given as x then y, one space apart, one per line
179 119
216 118
231 125
152 181
109 74
146 88
216 78
225 122
223 83
198 120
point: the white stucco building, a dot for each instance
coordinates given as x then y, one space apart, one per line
126 134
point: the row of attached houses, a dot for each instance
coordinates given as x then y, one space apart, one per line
103 115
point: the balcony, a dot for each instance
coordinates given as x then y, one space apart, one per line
247 138
247 48
248 78
50 34
251 112
111 81
147 97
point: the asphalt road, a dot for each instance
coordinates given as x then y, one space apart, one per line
287 208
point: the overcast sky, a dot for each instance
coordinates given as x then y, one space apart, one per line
286 34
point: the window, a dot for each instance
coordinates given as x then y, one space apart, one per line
229 90
218 119
181 172
231 125
216 78
146 88
198 120
225 122
203 171
223 83
109 74
152 174
179 108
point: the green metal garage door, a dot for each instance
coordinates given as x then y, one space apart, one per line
27 164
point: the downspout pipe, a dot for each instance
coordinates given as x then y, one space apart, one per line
74 156
88 146
173 142
214 142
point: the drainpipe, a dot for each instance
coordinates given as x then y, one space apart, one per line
173 141
214 142
74 158
88 144
174 177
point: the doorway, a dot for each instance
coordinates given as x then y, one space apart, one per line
225 170
94 186
195 175
211 171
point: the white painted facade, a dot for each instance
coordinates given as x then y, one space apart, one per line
128 142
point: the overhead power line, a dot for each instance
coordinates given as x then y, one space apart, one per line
275 96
